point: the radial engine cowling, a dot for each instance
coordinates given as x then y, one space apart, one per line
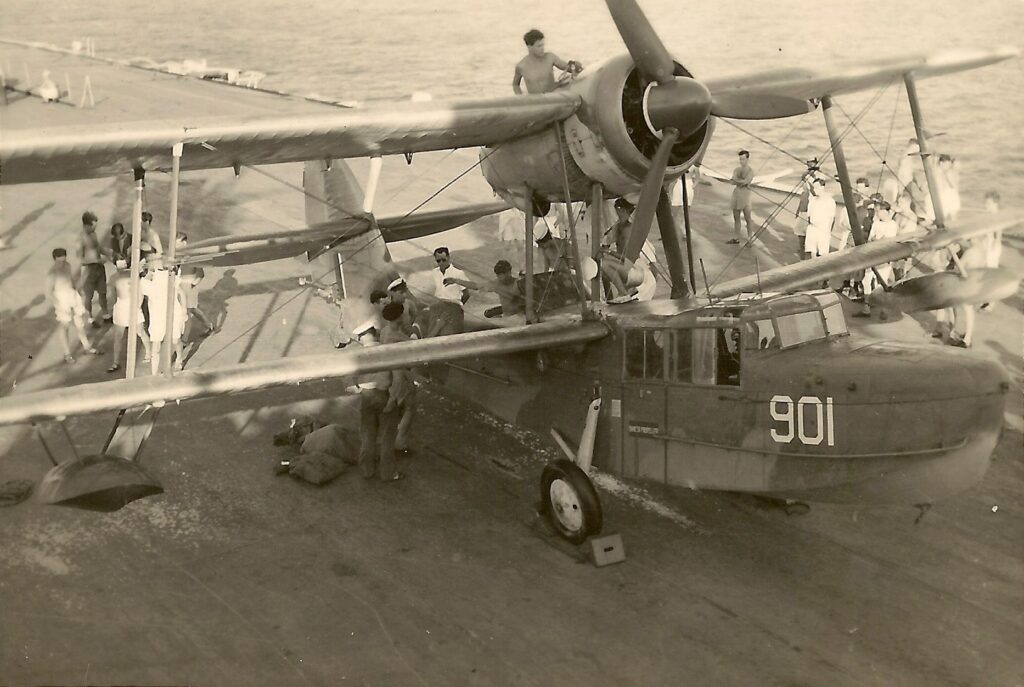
609 140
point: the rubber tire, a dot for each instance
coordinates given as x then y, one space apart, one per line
589 503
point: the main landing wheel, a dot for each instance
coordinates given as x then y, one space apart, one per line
569 501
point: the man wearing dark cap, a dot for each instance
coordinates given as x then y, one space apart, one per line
742 177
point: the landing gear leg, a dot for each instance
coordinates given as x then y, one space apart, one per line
568 497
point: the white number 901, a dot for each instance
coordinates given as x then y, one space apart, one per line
795 420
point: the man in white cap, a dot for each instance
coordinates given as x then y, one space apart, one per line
378 416
398 289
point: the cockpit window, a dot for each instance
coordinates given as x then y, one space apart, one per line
760 335
835 320
800 327
645 356
728 357
704 356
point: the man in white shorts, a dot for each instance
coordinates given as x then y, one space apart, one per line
68 306
154 288
122 308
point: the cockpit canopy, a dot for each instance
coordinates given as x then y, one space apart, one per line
788 321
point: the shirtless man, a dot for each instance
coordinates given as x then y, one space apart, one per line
742 177
93 278
536 67
504 285
67 304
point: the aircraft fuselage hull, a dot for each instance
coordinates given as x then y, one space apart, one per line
839 421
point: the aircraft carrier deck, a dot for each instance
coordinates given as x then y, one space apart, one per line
237 577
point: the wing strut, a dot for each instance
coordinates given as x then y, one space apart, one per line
528 194
167 347
596 232
135 301
577 271
844 173
926 158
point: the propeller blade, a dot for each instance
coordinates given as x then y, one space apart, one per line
670 242
758 106
648 52
649 194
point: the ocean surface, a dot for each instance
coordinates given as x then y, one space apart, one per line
366 52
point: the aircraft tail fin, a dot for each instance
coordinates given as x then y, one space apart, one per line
332 192
352 266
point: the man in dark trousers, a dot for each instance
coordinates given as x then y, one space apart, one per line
379 413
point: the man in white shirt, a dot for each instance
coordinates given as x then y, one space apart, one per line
444 287
882 227
821 213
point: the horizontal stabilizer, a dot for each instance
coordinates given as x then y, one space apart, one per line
85 399
222 251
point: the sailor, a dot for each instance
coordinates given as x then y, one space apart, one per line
403 385
994 241
93 277
821 214
48 90
150 242
67 304
742 176
378 416
973 255
447 316
379 300
948 178
690 179
510 234
543 236
536 67
189 277
122 310
908 163
882 227
634 282
398 290
155 288
120 246
506 288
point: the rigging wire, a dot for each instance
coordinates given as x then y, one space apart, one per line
360 249
822 157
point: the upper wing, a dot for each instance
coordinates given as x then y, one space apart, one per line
140 114
811 84
866 255
128 393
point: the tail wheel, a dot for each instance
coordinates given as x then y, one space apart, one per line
570 501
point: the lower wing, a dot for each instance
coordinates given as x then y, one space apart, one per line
85 399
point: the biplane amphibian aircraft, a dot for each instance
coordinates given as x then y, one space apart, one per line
749 385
